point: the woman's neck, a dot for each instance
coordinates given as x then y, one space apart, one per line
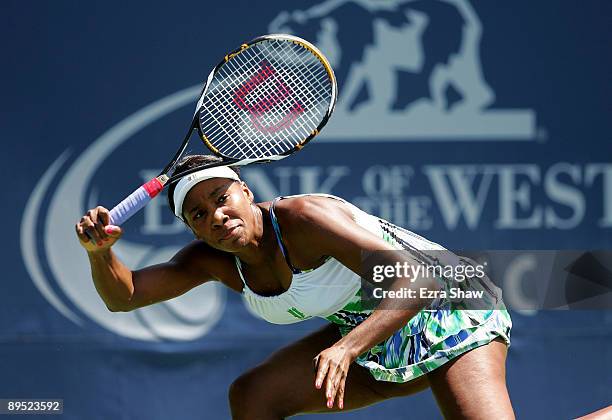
261 249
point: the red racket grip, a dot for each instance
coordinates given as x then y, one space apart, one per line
137 200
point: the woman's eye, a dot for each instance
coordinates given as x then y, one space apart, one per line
222 198
198 214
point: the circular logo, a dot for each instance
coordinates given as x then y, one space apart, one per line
58 265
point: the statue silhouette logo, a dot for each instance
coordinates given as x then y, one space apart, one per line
407 70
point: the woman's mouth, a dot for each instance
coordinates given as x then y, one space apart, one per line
229 233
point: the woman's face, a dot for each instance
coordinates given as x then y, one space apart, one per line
219 212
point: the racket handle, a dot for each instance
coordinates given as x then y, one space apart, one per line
137 200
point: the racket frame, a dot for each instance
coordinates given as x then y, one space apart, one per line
122 211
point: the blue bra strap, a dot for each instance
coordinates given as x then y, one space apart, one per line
239 267
279 238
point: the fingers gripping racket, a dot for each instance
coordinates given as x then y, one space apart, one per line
262 102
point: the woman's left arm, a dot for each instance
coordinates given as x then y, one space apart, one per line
320 227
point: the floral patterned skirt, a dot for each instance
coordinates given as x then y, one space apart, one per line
430 339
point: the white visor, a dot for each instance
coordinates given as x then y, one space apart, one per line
188 182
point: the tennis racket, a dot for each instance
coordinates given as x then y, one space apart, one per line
261 103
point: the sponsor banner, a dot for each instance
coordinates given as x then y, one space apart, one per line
420 136
477 126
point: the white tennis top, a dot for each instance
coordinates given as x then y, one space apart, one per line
326 289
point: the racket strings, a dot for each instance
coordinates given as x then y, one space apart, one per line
311 107
283 137
276 147
252 132
269 92
218 98
303 92
320 76
229 114
285 90
300 89
224 127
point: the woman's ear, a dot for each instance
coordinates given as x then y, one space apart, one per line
247 191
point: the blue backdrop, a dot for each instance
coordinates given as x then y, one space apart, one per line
479 124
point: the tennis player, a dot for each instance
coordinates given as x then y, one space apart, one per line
300 257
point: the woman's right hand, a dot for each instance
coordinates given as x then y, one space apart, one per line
96 224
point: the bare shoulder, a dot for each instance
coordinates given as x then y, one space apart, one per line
311 209
314 227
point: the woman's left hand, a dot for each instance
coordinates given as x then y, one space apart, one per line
331 366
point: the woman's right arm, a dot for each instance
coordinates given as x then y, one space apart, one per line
122 289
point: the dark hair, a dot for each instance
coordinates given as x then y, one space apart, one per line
189 162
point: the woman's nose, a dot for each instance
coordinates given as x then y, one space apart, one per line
219 218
